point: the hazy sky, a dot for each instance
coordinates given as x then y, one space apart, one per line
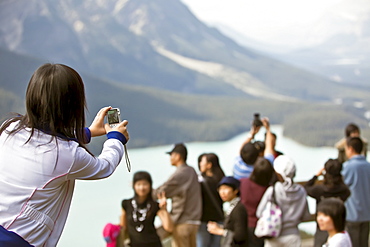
273 21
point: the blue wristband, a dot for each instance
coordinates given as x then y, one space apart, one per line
87 135
117 135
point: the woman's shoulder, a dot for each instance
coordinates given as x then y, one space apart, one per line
251 187
126 202
10 126
238 210
211 181
245 181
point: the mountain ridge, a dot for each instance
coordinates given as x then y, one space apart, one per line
171 86
161 117
106 41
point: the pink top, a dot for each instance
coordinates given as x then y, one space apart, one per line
111 233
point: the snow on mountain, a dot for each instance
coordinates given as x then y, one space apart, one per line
114 39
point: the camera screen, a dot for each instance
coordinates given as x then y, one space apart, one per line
113 116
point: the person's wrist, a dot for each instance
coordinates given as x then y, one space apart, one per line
117 135
88 135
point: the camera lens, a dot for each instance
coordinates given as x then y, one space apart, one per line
257 121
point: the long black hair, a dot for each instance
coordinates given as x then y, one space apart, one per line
263 172
55 103
216 169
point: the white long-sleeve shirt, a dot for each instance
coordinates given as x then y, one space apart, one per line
37 181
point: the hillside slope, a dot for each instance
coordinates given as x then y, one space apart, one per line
159 44
163 117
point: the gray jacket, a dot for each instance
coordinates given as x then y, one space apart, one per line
293 203
185 191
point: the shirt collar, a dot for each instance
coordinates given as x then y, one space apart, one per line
233 203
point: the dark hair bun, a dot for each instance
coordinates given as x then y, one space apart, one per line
333 167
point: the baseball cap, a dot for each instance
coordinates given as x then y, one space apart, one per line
230 181
180 149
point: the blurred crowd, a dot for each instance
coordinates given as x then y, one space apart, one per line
210 209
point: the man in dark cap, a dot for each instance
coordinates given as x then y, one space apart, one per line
184 190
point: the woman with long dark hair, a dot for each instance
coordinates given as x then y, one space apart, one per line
214 168
332 186
211 175
251 192
43 152
139 212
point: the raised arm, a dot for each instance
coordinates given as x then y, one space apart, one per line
312 189
253 131
269 141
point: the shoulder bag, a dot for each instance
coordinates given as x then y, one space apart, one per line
269 225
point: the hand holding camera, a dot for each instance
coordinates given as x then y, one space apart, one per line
115 124
257 121
97 127
266 123
256 125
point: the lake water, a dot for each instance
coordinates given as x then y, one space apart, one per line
96 203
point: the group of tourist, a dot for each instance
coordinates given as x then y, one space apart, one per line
260 172
43 152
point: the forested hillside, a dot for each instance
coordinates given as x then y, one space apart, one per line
174 78
162 117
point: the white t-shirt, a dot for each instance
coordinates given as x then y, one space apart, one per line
37 180
341 239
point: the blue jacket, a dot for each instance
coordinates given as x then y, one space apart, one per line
356 174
